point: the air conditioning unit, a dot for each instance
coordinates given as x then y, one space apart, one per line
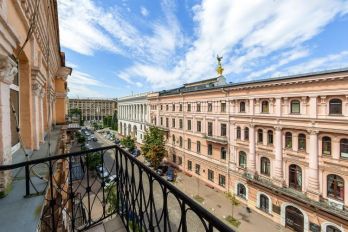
335 204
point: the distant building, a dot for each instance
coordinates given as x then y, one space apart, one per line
93 109
133 115
280 145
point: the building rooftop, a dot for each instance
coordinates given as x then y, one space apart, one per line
194 86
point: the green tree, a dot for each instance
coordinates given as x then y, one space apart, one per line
128 142
93 160
76 113
153 148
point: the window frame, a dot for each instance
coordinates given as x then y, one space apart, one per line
198 147
242 107
331 106
292 102
244 163
288 140
189 165
297 182
246 133
222 180
223 128
189 144
263 109
210 149
344 148
199 126
335 180
223 153
329 144
210 175
210 107
302 142
239 132
223 107
270 135
260 136
265 166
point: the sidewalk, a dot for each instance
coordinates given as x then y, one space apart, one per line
14 205
218 204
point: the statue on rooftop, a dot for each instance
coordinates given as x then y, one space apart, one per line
219 69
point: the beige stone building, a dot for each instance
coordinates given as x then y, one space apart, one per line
33 76
94 109
280 145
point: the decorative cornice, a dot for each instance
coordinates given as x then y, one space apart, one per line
8 69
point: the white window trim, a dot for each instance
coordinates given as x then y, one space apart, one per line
324 225
258 196
246 190
305 216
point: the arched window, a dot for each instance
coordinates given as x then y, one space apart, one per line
344 148
326 145
265 166
335 187
295 177
242 159
264 203
246 133
239 136
189 144
265 107
242 107
335 106
288 140
198 147
331 228
259 135
180 141
295 106
241 191
210 149
173 139
302 141
270 137
223 153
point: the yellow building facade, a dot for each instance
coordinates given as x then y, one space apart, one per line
33 75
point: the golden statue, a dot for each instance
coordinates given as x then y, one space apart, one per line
219 69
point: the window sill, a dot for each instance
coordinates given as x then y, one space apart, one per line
263 211
336 115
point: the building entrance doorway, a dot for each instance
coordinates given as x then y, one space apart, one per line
294 219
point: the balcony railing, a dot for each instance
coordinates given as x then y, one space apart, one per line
297 196
78 196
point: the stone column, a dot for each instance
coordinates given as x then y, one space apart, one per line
313 106
42 123
251 107
278 106
252 153
278 162
36 89
8 69
313 170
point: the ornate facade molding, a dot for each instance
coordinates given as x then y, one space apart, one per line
8 69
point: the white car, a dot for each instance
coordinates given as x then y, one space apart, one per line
110 180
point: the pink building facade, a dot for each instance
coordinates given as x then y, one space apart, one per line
280 145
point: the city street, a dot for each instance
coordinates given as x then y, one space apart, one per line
215 201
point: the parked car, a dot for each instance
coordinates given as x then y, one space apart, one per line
102 172
161 170
110 180
135 152
170 174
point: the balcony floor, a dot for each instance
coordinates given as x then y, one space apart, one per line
112 225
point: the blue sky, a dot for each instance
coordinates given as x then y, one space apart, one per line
120 47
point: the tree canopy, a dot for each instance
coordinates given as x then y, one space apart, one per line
153 148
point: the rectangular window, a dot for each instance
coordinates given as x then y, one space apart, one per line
180 107
210 107
180 160
198 169
173 107
210 129
210 175
223 129
188 124
167 122
161 107
199 126
173 122
198 107
174 158
161 121
188 107
222 180
223 107
180 123
167 107
189 165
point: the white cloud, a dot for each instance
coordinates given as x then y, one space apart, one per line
79 30
246 33
144 11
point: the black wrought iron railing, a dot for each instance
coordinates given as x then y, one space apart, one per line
83 188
